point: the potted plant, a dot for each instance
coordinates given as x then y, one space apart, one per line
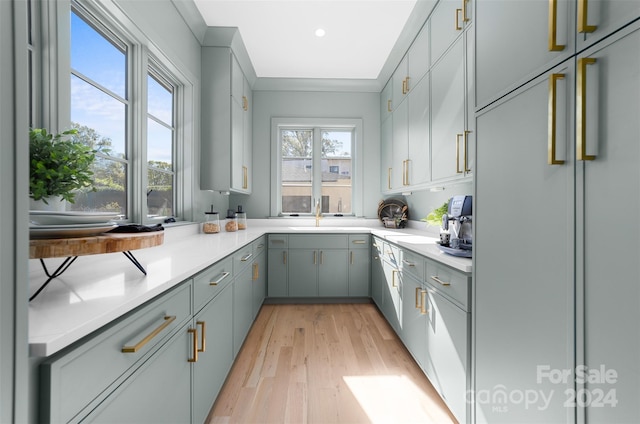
59 165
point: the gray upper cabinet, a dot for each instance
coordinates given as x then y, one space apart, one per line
226 146
448 20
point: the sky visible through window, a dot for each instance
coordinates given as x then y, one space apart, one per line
104 63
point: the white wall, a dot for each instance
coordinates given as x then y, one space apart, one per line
270 104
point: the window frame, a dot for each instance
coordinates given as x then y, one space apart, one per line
317 125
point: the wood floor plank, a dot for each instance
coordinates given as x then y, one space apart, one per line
328 363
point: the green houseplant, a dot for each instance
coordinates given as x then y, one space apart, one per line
435 216
59 165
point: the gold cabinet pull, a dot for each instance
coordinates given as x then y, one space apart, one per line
418 298
284 258
407 263
438 280
315 257
245 177
466 151
389 106
406 85
551 145
423 303
215 282
359 242
458 170
194 345
146 339
465 17
203 333
583 26
389 178
458 27
246 257
581 115
553 27
245 103
351 258
393 277
255 271
406 172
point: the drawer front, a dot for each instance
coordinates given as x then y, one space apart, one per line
278 241
359 241
211 281
413 264
242 258
259 246
323 241
377 246
391 253
451 283
102 358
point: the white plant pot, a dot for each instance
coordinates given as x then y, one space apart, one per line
54 204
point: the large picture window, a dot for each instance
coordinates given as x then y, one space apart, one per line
315 167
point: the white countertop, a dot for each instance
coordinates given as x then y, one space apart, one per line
97 289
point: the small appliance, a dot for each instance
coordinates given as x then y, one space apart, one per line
456 234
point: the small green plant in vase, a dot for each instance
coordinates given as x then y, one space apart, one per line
435 216
59 165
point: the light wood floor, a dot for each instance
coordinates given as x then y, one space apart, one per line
326 363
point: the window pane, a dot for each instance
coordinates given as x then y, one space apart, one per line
336 171
160 103
297 174
110 181
159 144
160 193
92 108
96 57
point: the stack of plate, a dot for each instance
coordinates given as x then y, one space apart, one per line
48 224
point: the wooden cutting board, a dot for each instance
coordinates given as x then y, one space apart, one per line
104 243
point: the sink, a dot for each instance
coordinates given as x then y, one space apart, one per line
329 229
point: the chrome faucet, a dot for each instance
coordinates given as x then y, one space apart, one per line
318 214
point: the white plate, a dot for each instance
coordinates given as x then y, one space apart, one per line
68 231
70 218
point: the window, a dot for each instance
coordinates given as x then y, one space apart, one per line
314 166
99 111
160 144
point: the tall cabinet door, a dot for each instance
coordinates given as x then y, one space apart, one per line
419 165
400 146
523 253
611 184
597 19
386 155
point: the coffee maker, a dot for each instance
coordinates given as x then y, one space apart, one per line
457 224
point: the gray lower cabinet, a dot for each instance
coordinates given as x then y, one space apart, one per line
259 282
277 268
243 297
414 318
377 273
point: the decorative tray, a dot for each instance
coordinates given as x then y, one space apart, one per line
455 252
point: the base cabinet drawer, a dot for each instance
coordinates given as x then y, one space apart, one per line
98 363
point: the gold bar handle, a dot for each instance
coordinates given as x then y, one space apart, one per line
406 84
583 26
458 170
407 263
246 257
418 298
581 115
217 281
351 258
465 17
203 332
551 145
458 27
393 277
389 178
466 151
406 172
136 347
389 106
553 27
423 309
359 242
245 177
194 346
255 272
438 280
315 257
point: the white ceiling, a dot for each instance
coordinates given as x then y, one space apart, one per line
280 40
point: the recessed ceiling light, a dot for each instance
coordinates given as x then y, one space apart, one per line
320 32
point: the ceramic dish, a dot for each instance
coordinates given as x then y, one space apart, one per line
70 218
68 231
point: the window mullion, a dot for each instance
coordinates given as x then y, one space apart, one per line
316 156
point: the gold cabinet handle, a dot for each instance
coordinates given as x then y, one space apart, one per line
551 145
466 151
583 26
423 303
351 258
458 170
581 115
438 280
553 27
406 85
389 178
284 258
255 272
389 106
245 177
393 277
194 345
407 263
245 103
458 27
359 242
315 257
246 257
406 172
215 282
203 332
465 17
146 339
418 298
